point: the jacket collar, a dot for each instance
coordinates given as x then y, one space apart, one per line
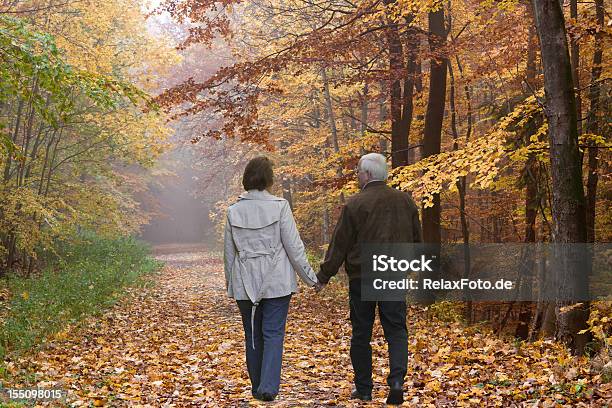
374 183
258 195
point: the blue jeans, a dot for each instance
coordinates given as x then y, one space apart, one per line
265 360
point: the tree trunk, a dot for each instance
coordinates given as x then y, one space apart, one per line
530 178
286 180
399 137
568 204
330 110
7 166
435 115
592 124
575 61
528 261
325 226
408 103
461 184
382 114
364 115
332 124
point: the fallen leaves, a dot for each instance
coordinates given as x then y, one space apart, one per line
181 343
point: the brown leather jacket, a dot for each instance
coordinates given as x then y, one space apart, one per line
377 214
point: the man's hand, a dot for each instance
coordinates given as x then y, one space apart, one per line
318 287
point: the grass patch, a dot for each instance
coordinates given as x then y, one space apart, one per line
86 280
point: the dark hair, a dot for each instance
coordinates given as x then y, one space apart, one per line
258 174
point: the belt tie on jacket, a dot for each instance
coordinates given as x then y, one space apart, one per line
243 255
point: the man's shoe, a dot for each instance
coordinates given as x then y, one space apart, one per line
364 397
396 395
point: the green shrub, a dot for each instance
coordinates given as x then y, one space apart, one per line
84 281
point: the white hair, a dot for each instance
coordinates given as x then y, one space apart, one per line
375 164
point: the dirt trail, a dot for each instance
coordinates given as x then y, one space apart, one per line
180 343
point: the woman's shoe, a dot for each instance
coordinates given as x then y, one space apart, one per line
263 397
267 397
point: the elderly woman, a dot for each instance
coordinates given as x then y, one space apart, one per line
262 250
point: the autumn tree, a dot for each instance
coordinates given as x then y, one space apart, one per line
568 204
73 122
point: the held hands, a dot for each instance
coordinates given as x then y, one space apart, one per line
318 286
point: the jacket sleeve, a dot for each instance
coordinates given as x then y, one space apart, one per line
341 242
229 252
290 238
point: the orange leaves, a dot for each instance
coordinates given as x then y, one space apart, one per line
482 159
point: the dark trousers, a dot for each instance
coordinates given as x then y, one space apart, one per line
393 318
265 360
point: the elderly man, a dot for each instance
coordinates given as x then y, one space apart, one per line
377 214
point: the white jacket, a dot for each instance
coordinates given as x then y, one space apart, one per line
263 249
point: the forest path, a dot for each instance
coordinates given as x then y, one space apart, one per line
180 343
